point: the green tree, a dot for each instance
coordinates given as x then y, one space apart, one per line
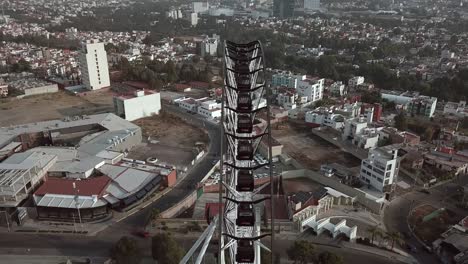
429 133
126 251
327 257
401 122
21 66
301 252
373 230
165 249
395 237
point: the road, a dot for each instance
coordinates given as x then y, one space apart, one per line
396 213
98 246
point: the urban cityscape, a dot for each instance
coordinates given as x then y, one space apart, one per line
234 131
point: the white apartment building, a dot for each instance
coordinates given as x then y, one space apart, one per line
286 79
209 46
200 7
324 118
312 89
367 139
287 100
414 103
338 89
210 109
140 104
354 127
174 13
355 81
381 168
94 68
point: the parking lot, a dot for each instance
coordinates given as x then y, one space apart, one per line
169 139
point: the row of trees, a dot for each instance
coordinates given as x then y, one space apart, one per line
158 74
393 237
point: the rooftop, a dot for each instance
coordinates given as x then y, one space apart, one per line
88 187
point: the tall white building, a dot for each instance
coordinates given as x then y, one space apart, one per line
209 46
94 68
381 167
311 88
200 7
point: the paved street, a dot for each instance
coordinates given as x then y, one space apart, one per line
396 213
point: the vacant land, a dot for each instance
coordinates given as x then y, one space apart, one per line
292 186
429 222
169 139
53 106
310 150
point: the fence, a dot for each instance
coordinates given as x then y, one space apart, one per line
183 205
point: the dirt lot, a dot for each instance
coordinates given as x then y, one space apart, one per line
310 150
171 140
430 230
292 186
53 106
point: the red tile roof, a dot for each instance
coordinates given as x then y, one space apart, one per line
88 187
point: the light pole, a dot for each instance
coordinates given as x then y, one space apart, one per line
77 205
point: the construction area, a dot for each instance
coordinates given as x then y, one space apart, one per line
170 139
53 106
309 150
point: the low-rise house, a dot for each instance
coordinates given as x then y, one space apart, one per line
452 247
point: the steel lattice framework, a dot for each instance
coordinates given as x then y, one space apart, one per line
243 98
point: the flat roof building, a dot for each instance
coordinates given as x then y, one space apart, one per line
142 103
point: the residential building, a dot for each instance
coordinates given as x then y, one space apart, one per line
452 246
312 89
287 99
355 81
414 103
311 5
381 167
367 139
94 67
209 46
200 7
323 117
338 89
174 13
142 103
283 8
210 109
286 79
447 159
423 106
354 127
29 86
394 136
458 109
